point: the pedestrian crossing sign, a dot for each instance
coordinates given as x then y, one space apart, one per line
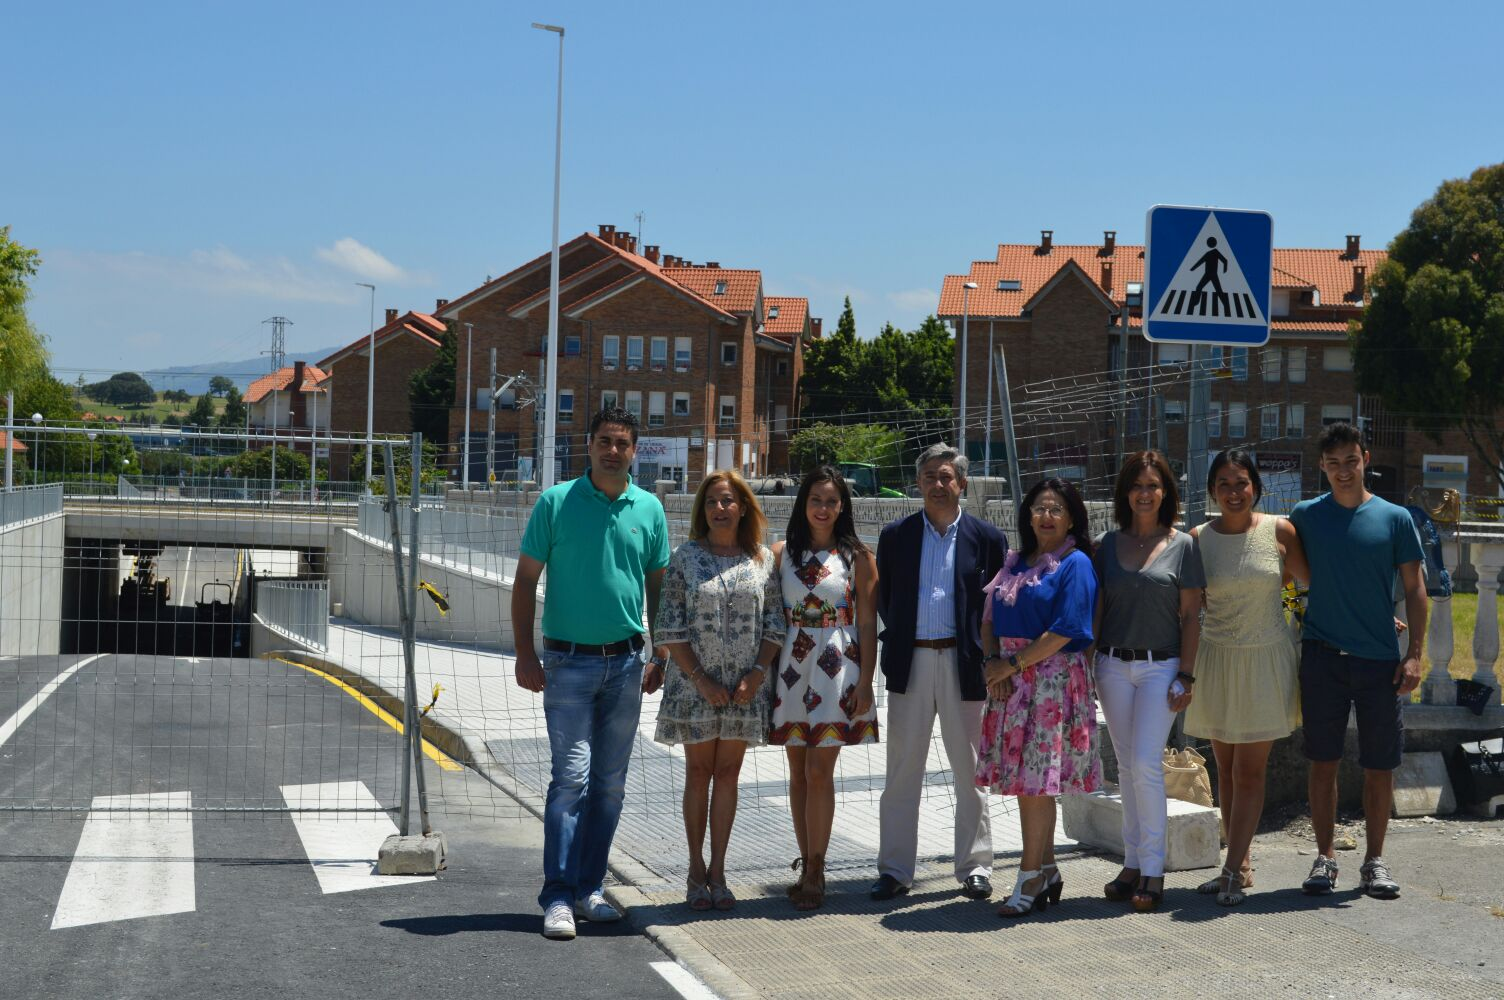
1207 275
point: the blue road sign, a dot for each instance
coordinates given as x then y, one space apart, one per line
1207 275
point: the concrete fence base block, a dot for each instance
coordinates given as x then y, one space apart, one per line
412 855
1422 787
1489 809
1193 834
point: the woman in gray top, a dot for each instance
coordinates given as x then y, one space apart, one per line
1148 622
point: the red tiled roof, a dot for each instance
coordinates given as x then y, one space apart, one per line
739 287
17 446
792 318
421 325
1330 272
281 379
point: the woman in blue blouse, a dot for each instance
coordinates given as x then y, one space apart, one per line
1039 733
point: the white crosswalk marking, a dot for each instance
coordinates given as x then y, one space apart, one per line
342 846
683 981
130 865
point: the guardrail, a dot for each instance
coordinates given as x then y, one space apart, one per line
483 540
26 503
299 608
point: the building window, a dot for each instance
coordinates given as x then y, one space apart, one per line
681 404
659 357
1174 354
1279 305
720 288
728 353
1332 414
1237 420
1174 411
634 403
782 368
772 312
572 345
1270 364
728 411
566 406
655 409
1295 420
1009 285
1269 421
681 354
1214 420
1295 363
610 398
634 353
1239 363
610 351
1337 359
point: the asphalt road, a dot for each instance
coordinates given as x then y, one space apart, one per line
241 909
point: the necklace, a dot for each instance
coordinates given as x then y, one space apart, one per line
725 576
1139 543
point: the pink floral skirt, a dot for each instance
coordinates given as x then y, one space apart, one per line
1043 740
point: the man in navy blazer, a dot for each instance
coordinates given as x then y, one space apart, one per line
931 567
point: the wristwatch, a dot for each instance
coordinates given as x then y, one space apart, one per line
1013 662
658 661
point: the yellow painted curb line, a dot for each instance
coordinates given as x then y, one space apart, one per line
433 753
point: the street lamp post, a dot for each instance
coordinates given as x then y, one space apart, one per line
370 384
987 446
551 383
92 436
36 419
965 315
469 403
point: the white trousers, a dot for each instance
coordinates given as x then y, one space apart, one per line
1135 697
933 689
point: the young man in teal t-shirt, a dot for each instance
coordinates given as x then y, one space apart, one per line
1350 656
605 544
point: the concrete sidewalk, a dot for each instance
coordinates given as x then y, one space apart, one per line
1442 939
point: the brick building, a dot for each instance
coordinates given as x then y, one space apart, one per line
696 350
1055 310
404 344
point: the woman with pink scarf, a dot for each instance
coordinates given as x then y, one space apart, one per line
1039 733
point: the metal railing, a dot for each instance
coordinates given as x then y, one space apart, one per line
299 608
27 503
486 541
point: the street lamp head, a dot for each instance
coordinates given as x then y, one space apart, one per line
549 27
93 435
36 418
366 284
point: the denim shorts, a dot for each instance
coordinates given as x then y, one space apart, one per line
1332 683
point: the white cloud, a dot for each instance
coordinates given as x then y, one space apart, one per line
351 255
216 272
924 300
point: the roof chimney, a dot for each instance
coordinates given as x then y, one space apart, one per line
1360 275
1107 276
712 263
1352 246
650 252
631 243
391 316
298 375
1109 241
815 323
439 304
607 233
1046 237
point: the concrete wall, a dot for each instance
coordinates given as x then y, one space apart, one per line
31 587
362 581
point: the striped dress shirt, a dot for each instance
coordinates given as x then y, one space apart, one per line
936 618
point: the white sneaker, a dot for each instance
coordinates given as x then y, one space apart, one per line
595 909
558 922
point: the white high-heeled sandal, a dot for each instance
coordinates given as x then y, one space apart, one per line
1021 902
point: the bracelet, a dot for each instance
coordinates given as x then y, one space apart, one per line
1187 678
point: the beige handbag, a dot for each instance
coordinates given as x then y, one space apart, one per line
1186 777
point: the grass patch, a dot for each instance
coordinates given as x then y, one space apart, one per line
156 412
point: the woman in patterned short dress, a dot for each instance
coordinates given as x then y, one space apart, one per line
1039 733
823 697
720 619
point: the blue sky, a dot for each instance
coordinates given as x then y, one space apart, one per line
191 169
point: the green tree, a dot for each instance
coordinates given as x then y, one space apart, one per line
431 390
123 389
1431 340
220 385
832 369
292 466
23 351
202 414
41 393
234 413
824 443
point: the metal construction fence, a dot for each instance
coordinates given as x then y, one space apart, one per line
29 503
297 608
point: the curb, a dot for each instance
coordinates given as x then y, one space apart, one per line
677 943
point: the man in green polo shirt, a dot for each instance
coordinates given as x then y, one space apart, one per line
604 542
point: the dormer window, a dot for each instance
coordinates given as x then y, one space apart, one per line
1009 285
772 312
720 288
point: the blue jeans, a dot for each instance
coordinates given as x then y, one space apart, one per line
591 705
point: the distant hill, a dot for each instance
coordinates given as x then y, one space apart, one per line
194 379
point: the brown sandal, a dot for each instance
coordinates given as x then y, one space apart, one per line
798 883
811 894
